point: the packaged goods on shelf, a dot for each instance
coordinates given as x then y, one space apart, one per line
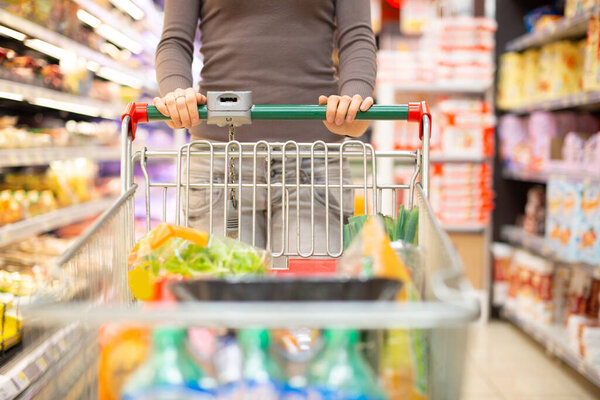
574 7
572 222
465 128
530 288
549 142
460 194
534 219
502 257
454 50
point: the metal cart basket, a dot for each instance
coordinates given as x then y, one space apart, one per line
94 273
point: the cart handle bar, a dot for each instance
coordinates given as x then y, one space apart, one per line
412 112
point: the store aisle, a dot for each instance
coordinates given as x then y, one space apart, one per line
505 364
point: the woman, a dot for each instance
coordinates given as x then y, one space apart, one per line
281 50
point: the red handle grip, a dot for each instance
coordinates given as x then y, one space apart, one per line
416 111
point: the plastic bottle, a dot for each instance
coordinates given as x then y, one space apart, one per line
257 366
170 373
341 372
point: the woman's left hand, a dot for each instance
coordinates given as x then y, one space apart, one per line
341 114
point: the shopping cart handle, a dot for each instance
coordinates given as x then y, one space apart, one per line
413 112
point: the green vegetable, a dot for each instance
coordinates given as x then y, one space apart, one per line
411 226
404 227
222 257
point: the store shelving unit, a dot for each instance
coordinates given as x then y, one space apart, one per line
29 366
44 155
554 339
54 99
577 100
565 29
538 245
46 222
441 88
36 31
544 176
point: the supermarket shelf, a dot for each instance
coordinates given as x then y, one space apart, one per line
464 228
36 31
566 29
538 245
458 160
554 339
106 17
46 222
524 175
545 176
54 99
433 87
31 364
44 155
577 100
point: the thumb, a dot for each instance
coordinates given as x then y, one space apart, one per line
322 100
200 99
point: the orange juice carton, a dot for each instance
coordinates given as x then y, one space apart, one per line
570 220
589 234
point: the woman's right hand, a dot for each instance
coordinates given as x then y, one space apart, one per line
181 105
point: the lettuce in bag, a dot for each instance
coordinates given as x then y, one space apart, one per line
176 251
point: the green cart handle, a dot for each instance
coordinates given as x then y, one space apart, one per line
412 112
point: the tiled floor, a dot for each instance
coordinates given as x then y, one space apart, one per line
505 364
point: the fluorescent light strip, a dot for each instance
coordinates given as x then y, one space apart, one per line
67 106
4 31
88 18
46 48
111 34
11 96
130 8
119 77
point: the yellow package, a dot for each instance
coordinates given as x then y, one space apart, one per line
530 75
564 73
591 54
171 251
510 81
546 72
573 7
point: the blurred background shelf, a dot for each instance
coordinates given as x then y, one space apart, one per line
538 245
554 339
64 44
434 87
544 176
577 100
54 99
44 155
46 222
24 371
567 28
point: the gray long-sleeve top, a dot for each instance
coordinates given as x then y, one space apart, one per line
281 50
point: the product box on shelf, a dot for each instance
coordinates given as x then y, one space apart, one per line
588 239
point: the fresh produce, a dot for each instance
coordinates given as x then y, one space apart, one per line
170 251
404 227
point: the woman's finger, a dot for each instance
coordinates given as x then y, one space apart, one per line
366 104
184 115
200 98
332 105
342 109
322 100
192 106
353 108
172 107
160 105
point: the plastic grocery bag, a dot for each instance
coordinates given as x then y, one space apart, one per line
404 365
171 251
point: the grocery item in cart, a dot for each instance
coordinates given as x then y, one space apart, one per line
170 372
340 371
170 250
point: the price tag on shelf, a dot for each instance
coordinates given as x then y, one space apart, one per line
21 381
8 390
42 364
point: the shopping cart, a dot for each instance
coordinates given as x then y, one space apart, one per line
99 257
